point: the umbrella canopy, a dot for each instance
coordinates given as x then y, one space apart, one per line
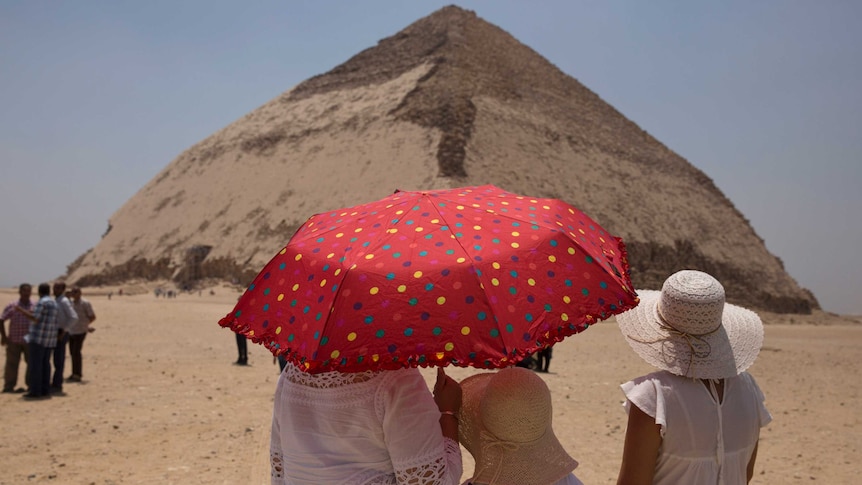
474 276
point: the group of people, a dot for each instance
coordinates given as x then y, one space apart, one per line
696 420
39 333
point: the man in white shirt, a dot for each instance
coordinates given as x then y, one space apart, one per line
79 331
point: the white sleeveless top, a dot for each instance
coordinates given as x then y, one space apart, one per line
369 428
703 441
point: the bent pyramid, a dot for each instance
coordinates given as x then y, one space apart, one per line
449 101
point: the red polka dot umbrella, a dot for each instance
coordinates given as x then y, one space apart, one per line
474 276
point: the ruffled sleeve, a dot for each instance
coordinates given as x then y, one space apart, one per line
763 414
647 394
411 429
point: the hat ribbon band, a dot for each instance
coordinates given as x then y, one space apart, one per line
490 442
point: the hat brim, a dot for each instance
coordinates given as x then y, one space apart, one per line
731 349
542 461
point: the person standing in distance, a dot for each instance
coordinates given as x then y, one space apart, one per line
14 341
41 339
79 331
66 319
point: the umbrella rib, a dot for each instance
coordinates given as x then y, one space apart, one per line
473 266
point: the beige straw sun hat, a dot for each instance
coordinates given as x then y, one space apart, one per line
687 328
505 423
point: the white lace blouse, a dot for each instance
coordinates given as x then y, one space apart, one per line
703 440
359 429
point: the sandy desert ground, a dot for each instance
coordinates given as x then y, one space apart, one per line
162 403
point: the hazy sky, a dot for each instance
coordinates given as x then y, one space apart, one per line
96 97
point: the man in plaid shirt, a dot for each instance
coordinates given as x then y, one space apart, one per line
41 338
16 346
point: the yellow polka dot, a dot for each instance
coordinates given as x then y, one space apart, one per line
399 212
375 357
369 256
358 229
571 250
504 203
334 354
280 296
449 346
351 336
581 231
251 333
374 290
566 299
465 330
297 257
417 274
392 230
323 282
330 255
402 288
531 282
340 234
420 229
295 286
516 233
284 250
495 282
353 266
564 317
475 205
337 272
441 300
496 265
459 207
435 221
552 258
571 211
478 228
546 207
278 330
440 355
461 260
515 245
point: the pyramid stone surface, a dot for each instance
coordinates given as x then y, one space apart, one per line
449 101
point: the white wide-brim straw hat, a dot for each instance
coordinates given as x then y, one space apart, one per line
688 329
505 423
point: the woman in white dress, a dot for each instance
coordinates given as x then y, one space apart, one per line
368 428
698 419
505 423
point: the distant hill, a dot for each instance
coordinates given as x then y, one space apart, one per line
449 101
